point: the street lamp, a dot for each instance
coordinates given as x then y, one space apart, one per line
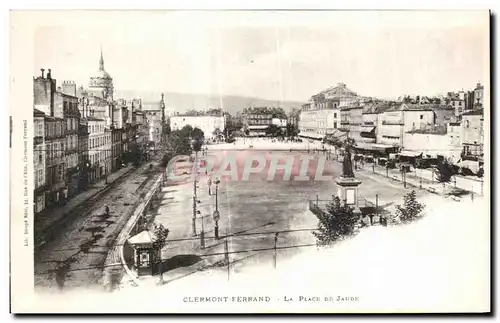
216 214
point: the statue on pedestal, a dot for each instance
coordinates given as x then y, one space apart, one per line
347 170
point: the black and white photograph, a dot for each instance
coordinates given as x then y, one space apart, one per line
250 161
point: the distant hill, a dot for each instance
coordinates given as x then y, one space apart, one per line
182 102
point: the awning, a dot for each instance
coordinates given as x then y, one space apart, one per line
382 146
367 130
363 145
409 153
312 135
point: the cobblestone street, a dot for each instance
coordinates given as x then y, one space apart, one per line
75 257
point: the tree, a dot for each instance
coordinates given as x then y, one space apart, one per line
273 130
161 234
217 133
444 172
197 137
336 223
179 144
292 130
197 134
411 208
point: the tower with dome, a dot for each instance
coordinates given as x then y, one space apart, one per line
101 83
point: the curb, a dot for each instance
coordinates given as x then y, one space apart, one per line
48 232
115 255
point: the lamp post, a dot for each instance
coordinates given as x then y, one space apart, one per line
216 214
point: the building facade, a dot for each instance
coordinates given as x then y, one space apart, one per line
84 166
55 168
399 119
68 103
323 114
99 143
207 123
39 160
473 135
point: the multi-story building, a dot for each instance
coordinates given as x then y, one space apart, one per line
399 119
473 135
55 168
39 160
370 117
68 103
439 142
352 121
206 123
479 94
322 115
459 105
99 144
60 112
84 166
155 117
119 122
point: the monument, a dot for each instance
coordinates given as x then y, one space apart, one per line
347 183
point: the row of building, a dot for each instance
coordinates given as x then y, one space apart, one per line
411 127
83 135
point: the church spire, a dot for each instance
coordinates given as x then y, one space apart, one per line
101 62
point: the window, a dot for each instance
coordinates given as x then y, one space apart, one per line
40 176
335 115
467 124
40 158
421 117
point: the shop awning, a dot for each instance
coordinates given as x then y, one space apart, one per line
367 132
364 145
409 153
258 127
311 135
382 146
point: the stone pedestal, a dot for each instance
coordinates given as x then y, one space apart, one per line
348 191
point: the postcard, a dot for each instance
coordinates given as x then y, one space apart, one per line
238 161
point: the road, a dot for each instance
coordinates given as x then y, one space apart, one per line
75 258
251 212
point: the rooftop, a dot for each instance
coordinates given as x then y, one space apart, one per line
339 90
376 108
418 107
432 130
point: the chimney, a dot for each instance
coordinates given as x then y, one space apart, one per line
69 87
43 72
49 76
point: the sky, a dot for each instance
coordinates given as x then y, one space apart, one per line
272 55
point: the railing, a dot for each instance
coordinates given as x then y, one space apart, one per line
116 255
321 205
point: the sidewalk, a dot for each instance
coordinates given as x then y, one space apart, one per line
413 180
183 254
50 217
